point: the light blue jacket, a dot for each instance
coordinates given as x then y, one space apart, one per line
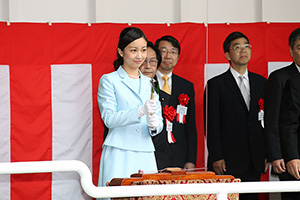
118 104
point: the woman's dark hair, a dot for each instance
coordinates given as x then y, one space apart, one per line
127 36
232 36
157 52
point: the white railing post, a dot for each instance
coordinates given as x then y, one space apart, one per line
221 189
222 195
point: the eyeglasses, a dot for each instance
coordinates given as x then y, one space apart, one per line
239 48
164 52
152 62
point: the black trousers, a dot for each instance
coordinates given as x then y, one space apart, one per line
251 175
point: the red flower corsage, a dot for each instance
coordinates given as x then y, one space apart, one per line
181 108
183 99
169 115
261 112
261 104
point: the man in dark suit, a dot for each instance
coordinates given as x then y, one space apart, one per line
235 137
289 129
273 92
176 145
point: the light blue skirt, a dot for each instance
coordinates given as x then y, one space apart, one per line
120 163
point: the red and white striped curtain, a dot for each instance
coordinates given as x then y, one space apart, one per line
48 90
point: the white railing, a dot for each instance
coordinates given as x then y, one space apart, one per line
221 189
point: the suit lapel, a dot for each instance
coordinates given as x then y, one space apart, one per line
125 79
254 92
156 84
230 82
175 90
164 98
252 84
145 82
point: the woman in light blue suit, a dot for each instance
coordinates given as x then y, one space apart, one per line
126 109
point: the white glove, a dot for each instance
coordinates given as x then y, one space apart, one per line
152 122
149 107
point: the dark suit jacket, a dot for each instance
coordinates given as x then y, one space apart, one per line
289 119
273 92
185 148
234 133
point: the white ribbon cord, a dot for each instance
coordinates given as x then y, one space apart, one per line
169 128
261 118
181 118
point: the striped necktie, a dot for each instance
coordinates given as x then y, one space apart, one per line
244 91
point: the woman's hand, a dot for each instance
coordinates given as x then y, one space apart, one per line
152 122
148 108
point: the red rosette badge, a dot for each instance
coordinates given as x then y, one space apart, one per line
169 115
261 104
181 108
261 112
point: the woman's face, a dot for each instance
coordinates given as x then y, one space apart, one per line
134 54
149 66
